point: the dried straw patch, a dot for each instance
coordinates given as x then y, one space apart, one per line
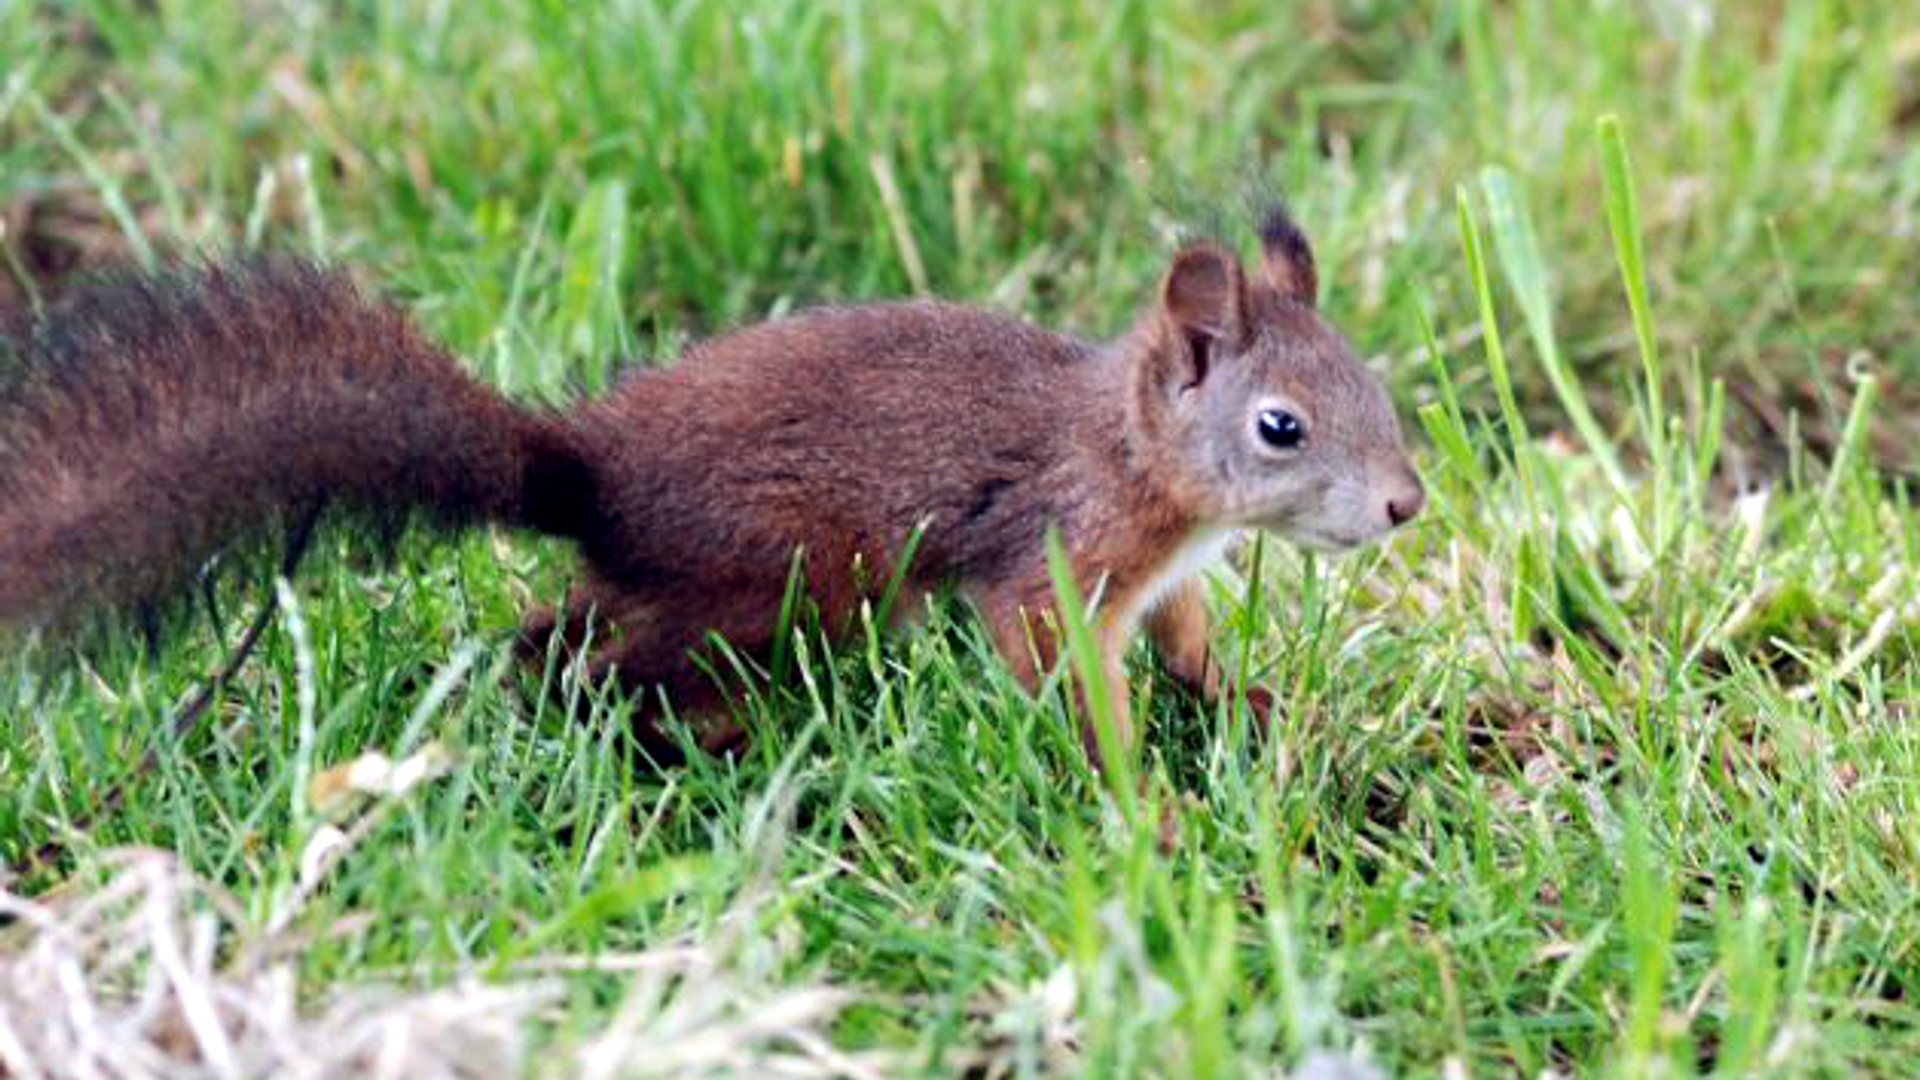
144 970
127 979
153 973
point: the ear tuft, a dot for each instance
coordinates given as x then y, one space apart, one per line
1286 258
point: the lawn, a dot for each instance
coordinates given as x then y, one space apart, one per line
1609 766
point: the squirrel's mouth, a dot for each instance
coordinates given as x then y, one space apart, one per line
1324 541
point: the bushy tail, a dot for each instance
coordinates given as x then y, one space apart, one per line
148 424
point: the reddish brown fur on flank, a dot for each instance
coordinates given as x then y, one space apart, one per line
161 420
979 429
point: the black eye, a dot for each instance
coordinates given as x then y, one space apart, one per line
1280 428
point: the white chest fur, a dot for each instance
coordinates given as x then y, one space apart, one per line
1199 551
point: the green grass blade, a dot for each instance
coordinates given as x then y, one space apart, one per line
1083 651
1623 221
1519 252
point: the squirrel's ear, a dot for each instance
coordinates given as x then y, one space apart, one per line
1204 301
1286 259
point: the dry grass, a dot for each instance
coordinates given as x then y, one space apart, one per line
146 971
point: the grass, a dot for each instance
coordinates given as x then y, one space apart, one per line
1611 766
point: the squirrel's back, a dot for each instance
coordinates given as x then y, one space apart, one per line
847 427
149 423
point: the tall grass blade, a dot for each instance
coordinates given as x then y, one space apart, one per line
1623 220
1083 651
1518 249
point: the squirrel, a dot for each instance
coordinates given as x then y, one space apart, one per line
152 422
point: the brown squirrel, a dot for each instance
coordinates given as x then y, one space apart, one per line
153 422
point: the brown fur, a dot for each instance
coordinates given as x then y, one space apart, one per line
162 419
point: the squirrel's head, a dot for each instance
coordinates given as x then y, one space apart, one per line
1259 404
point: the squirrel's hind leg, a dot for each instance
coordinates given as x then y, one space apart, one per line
664 658
593 611
612 633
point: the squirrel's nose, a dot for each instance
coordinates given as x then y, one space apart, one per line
1404 505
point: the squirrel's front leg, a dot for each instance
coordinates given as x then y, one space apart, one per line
1180 632
1024 630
